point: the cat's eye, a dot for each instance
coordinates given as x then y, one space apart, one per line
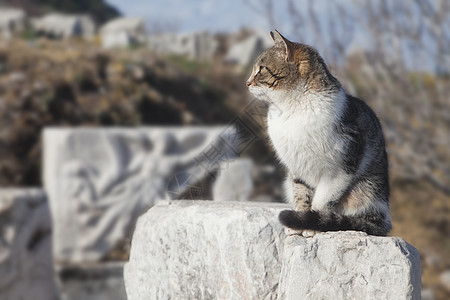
261 68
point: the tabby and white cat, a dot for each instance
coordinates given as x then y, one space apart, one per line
330 142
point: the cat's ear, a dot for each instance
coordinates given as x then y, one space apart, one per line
284 43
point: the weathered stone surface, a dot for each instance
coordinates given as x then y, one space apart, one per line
349 265
207 250
26 270
12 21
238 250
195 45
123 32
235 181
93 282
100 180
63 26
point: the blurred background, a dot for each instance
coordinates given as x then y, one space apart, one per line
178 66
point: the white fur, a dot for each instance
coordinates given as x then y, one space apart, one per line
302 131
331 187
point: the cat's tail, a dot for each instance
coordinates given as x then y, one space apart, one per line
374 224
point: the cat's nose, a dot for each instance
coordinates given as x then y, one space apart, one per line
248 83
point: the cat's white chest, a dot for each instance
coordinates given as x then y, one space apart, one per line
305 141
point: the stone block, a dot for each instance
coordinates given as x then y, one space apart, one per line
26 269
239 250
100 180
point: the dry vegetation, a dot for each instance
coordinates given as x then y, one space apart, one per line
60 84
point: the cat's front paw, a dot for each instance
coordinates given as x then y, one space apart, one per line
309 232
290 231
302 232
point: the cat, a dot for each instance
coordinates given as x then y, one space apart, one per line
330 142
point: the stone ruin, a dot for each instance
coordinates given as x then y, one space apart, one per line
201 46
12 21
26 270
99 181
236 250
123 32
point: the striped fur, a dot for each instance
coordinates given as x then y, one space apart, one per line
331 143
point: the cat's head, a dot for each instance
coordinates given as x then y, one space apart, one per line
288 67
